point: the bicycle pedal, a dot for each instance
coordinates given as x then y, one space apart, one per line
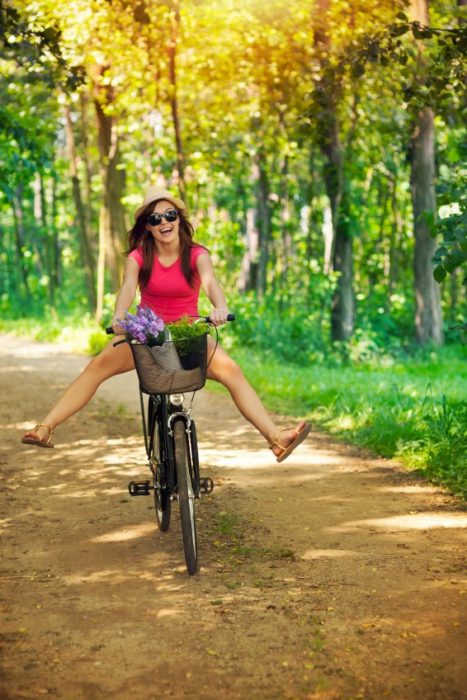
139 488
206 485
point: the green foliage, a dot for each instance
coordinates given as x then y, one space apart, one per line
301 335
452 251
37 47
97 341
185 328
437 80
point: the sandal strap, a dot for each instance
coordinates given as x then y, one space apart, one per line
44 425
293 427
274 443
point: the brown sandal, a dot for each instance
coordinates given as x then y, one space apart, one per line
301 431
28 438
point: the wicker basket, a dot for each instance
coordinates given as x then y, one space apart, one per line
176 366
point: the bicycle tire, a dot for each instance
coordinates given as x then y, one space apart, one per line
162 502
194 459
186 497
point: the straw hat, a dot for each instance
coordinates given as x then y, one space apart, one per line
154 194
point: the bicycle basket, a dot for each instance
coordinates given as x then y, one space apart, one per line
176 366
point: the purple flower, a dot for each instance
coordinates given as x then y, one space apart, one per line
144 326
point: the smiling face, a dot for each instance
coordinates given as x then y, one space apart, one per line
167 231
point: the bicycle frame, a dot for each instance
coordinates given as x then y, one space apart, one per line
160 409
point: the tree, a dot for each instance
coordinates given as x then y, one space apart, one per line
428 316
89 266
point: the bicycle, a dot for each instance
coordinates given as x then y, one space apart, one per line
165 374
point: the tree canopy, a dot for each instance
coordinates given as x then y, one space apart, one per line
318 145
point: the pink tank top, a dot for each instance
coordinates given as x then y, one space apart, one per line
168 293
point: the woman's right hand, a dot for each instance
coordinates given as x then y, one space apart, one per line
218 316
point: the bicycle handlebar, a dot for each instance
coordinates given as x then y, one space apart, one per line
230 317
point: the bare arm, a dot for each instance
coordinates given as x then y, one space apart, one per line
127 291
212 289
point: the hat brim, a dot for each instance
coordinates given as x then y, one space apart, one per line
178 203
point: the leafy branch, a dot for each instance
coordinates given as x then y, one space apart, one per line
452 251
37 47
386 46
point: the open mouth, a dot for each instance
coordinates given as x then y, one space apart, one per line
166 229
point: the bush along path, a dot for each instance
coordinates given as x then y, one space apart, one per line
333 576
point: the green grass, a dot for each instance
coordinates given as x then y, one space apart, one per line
414 410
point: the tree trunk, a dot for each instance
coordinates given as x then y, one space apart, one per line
43 201
428 315
18 220
285 253
396 228
328 239
112 230
116 189
249 270
104 226
87 259
263 223
172 51
313 246
55 270
48 238
107 147
39 242
87 167
343 303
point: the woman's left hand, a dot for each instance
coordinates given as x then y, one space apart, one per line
218 316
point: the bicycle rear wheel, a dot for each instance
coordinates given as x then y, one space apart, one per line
158 464
186 497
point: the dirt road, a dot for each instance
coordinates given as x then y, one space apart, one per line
333 576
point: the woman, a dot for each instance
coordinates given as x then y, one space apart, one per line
169 267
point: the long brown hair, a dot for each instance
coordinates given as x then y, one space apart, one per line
139 237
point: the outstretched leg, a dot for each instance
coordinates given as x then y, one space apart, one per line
226 371
108 363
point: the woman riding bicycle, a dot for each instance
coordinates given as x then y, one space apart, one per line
169 268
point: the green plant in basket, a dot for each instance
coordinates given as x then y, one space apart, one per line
185 333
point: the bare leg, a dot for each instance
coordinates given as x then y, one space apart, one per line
226 371
109 362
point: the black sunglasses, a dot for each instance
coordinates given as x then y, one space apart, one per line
155 219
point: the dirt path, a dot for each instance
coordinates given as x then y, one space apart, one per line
334 576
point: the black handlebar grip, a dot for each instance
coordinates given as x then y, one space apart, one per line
109 330
230 317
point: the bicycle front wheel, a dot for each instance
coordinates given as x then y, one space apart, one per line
159 465
186 497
